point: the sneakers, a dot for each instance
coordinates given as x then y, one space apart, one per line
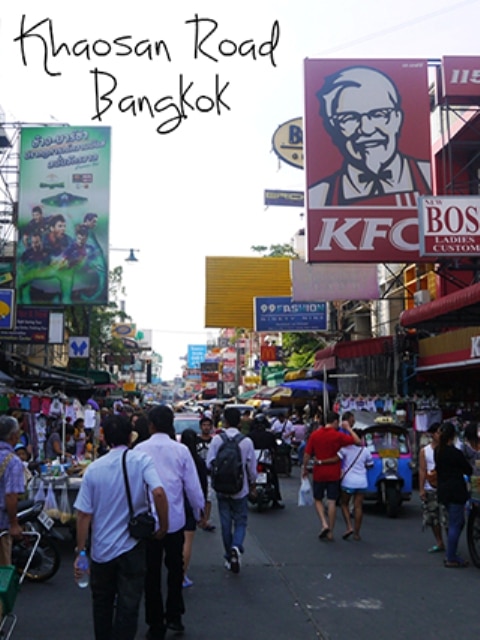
187 582
235 560
177 626
227 565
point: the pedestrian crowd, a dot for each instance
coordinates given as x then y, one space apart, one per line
143 467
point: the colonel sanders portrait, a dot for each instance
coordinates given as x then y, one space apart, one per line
362 112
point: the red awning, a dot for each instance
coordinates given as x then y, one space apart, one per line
458 309
351 349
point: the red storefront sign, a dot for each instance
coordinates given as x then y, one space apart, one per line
367 148
268 354
461 80
449 225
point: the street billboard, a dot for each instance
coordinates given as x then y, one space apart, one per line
336 281
283 314
449 226
287 142
35 326
63 216
367 151
279 198
232 283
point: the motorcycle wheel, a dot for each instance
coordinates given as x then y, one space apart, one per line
393 501
473 535
45 563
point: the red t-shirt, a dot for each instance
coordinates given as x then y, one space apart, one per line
324 443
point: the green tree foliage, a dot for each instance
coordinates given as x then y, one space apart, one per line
300 349
276 251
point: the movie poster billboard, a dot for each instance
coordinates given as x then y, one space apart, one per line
367 150
63 216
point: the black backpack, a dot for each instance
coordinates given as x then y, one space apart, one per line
227 468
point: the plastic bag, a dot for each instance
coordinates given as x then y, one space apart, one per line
65 508
51 505
40 495
305 494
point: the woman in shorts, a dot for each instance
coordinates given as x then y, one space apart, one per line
353 483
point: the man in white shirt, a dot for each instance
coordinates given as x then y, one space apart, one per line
117 560
177 471
283 428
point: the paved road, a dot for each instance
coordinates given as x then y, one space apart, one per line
293 586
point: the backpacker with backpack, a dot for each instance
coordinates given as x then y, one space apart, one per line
227 468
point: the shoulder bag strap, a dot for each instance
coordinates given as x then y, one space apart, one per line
5 463
127 485
351 465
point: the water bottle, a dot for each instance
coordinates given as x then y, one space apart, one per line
82 566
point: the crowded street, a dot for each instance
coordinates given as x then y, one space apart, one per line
293 585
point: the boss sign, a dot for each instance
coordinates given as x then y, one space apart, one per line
449 225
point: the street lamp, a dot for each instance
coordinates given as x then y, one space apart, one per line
131 254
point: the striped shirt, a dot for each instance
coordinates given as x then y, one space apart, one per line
12 481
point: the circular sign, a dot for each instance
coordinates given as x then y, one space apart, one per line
287 142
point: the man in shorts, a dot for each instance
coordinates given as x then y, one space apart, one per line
323 446
434 513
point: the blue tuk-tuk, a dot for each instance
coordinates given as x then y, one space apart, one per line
390 478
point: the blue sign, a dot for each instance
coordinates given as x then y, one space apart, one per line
196 353
282 314
6 308
273 197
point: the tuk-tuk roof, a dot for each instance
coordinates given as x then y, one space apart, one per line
368 420
384 428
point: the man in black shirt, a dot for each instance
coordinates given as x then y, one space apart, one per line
263 439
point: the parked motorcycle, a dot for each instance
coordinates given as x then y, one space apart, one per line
283 460
265 489
35 553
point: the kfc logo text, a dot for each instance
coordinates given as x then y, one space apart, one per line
363 234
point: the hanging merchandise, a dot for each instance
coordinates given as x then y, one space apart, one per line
65 508
51 505
40 494
56 408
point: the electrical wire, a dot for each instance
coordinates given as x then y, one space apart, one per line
397 27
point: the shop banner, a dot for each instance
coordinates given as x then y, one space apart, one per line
449 226
334 281
38 326
461 80
367 150
283 314
63 216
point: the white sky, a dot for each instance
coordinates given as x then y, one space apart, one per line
198 191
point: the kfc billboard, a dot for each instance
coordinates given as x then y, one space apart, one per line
367 150
461 80
449 225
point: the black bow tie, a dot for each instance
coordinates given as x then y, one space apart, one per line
376 181
369 176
